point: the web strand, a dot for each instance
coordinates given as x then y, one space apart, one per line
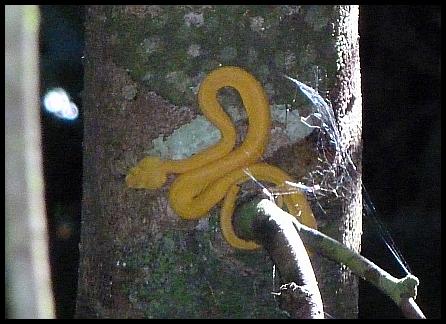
336 170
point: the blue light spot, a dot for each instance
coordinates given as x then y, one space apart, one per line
57 102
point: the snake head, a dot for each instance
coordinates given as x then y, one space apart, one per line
147 174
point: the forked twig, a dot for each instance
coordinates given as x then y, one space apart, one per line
402 291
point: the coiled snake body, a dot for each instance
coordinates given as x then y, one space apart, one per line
215 173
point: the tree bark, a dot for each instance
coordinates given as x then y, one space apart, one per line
143 65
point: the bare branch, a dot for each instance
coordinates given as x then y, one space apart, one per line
402 291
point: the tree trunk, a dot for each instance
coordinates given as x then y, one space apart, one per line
27 270
143 66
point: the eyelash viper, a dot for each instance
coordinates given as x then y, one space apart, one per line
214 174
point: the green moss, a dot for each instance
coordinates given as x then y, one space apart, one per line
225 36
180 277
316 16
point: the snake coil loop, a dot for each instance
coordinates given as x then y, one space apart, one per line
215 173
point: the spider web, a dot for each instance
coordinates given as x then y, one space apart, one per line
335 169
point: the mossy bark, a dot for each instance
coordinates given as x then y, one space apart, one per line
143 65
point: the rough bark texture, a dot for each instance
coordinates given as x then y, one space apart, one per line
142 66
347 104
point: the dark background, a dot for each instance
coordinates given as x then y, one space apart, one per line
400 67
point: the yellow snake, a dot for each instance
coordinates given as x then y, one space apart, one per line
214 174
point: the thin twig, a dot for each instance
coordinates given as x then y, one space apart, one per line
402 291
